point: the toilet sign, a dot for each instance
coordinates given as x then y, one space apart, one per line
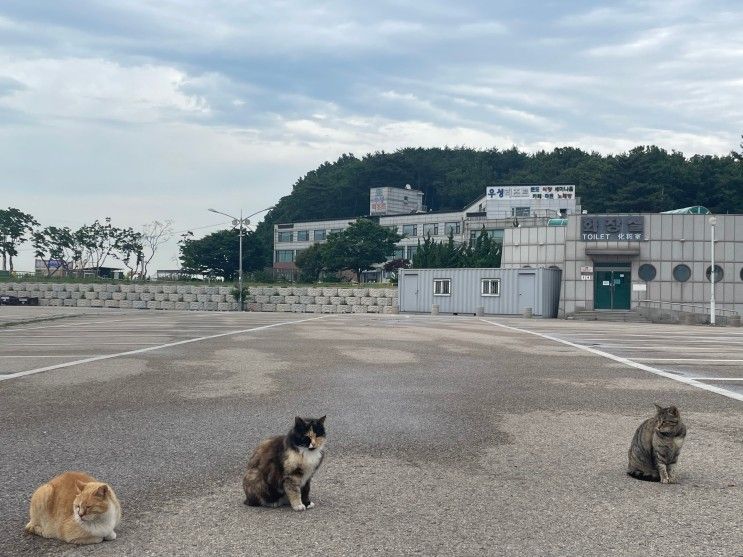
610 228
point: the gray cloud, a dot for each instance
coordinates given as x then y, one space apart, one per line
203 101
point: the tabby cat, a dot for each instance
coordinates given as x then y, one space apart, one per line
656 446
76 508
280 470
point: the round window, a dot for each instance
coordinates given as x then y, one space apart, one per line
718 273
646 272
682 272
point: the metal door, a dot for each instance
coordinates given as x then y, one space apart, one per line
602 289
410 292
612 287
527 291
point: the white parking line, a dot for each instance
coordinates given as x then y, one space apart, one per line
151 348
655 339
65 326
76 334
706 360
42 356
625 361
718 378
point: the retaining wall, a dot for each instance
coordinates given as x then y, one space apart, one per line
288 299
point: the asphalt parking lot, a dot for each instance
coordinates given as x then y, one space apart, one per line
447 435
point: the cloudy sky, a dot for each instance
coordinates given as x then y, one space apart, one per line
143 110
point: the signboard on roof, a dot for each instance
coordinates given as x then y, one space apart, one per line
530 192
377 202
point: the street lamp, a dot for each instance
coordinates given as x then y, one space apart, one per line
712 272
242 222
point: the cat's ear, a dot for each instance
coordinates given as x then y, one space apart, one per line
322 420
299 422
673 411
102 491
79 486
658 407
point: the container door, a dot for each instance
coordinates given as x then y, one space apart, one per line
410 292
527 291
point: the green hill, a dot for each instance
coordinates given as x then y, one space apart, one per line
645 179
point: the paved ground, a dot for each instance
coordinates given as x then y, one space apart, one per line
14 315
703 355
447 435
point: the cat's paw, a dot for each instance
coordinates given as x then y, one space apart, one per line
299 507
673 479
665 480
310 505
111 536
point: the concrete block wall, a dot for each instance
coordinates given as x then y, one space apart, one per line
287 299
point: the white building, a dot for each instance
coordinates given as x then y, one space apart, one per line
501 207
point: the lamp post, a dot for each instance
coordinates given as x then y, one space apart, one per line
242 222
712 271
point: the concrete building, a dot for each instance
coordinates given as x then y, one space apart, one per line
609 262
497 209
627 262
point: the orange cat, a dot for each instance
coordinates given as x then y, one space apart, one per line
76 508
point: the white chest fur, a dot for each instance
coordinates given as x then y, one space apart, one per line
103 526
678 442
308 461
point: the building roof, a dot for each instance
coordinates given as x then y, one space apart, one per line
694 210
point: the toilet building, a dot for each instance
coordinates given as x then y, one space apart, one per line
607 262
624 262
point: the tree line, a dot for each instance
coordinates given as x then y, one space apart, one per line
63 249
644 179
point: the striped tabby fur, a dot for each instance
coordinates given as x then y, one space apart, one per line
656 446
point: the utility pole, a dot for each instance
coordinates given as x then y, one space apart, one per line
242 223
712 271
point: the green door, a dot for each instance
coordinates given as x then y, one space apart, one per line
602 290
612 288
622 289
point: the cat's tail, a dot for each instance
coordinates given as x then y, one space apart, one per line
640 475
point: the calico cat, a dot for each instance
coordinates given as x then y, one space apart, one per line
280 470
656 446
76 508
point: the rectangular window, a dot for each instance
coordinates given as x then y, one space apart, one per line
442 287
303 235
285 236
399 253
319 235
411 252
284 255
410 230
494 233
453 227
335 230
520 211
490 287
430 230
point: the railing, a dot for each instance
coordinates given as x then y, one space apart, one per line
681 306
